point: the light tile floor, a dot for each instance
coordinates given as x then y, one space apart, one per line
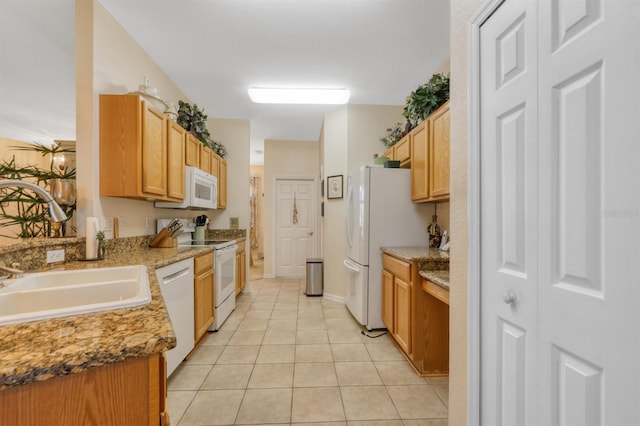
286 359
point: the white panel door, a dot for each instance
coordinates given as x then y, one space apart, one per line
560 223
296 226
509 214
589 87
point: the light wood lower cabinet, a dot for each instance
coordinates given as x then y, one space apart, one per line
241 268
131 392
203 295
413 319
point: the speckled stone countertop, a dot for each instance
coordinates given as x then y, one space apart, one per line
438 277
39 350
433 264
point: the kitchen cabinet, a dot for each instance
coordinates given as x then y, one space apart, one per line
134 150
430 148
192 151
417 322
401 151
436 330
203 294
206 159
131 392
241 268
176 137
222 184
397 275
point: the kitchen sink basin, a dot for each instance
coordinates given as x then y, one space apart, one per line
62 293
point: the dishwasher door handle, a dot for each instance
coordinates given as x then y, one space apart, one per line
175 276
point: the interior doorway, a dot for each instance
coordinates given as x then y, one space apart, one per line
256 222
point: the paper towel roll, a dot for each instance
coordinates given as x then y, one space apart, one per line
91 247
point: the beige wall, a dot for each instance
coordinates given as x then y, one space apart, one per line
461 14
110 61
283 158
350 136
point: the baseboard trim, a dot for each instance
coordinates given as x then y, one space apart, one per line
334 298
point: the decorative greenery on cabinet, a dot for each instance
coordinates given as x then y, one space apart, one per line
419 104
194 120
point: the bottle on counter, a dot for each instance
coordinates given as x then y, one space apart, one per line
434 232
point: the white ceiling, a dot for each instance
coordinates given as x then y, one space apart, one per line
214 50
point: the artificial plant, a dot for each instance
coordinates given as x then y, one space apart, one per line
426 99
194 120
21 206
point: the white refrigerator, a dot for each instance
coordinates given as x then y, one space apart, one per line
379 213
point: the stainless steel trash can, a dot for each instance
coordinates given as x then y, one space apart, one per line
314 277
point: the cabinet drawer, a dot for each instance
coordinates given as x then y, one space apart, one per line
397 267
203 263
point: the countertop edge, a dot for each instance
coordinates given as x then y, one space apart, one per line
36 363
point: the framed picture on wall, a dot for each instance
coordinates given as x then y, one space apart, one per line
334 187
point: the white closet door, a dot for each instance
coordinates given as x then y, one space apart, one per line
509 223
589 310
560 213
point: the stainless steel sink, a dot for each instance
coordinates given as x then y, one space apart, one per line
62 293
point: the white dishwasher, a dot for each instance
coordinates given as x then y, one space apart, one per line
176 285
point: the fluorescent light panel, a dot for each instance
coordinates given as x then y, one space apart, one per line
288 95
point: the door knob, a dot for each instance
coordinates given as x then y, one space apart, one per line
311 233
509 297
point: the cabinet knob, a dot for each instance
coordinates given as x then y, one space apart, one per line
311 233
509 297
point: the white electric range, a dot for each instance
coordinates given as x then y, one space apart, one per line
224 267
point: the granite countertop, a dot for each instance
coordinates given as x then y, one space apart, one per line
40 350
440 278
433 264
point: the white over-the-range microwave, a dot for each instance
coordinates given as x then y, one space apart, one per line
200 191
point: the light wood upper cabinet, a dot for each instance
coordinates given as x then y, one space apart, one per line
430 157
222 184
133 149
203 294
176 136
206 158
420 162
439 148
192 151
401 151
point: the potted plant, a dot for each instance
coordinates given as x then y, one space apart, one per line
426 99
194 120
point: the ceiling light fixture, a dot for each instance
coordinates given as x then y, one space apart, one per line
288 95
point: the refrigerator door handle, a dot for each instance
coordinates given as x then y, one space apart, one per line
351 265
349 211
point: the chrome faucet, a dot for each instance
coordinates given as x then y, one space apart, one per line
55 211
13 270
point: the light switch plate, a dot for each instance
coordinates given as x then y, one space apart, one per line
55 256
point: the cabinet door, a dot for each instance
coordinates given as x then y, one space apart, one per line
154 151
387 300
419 163
439 129
205 158
175 160
402 311
222 184
402 151
203 305
389 154
192 151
